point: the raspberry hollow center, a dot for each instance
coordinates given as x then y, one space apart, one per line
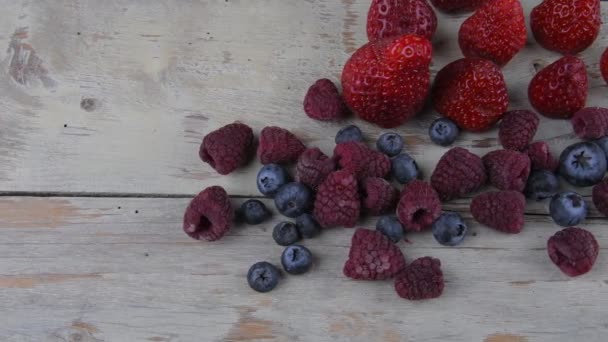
202 225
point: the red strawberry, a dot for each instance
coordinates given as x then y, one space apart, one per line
387 81
472 92
452 6
391 18
604 65
566 26
560 90
497 31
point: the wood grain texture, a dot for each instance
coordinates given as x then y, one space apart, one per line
102 272
132 87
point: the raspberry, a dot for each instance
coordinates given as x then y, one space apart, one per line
517 129
373 256
227 148
323 101
590 123
419 206
600 196
540 157
337 202
379 197
209 215
507 169
361 160
278 145
501 210
422 279
313 167
573 250
458 173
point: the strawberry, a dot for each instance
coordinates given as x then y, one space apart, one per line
604 65
387 81
452 6
472 92
497 31
390 18
560 89
566 26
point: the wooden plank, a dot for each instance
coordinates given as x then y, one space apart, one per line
106 269
105 96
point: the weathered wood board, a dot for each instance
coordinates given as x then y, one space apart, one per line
92 269
132 86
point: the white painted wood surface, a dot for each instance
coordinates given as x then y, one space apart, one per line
81 269
138 83
132 86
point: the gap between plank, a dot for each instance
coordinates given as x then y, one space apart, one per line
103 194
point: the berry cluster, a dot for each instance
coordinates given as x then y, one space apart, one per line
470 94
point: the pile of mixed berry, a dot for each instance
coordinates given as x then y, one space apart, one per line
386 82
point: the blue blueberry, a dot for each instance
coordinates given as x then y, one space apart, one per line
541 184
390 144
254 212
582 164
603 144
349 133
443 132
271 178
568 209
285 233
449 229
263 276
391 227
307 226
296 259
404 168
293 199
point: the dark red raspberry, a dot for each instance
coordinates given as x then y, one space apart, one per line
517 129
279 146
209 215
373 256
590 123
458 173
227 148
362 160
337 202
323 101
422 279
379 197
501 210
540 157
573 250
507 169
600 196
419 206
313 167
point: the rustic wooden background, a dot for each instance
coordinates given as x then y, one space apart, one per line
103 107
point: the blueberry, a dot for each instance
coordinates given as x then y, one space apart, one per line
296 259
568 209
391 227
307 226
271 178
449 229
541 184
404 168
263 276
390 144
582 164
349 133
443 132
254 212
293 199
603 144
285 233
